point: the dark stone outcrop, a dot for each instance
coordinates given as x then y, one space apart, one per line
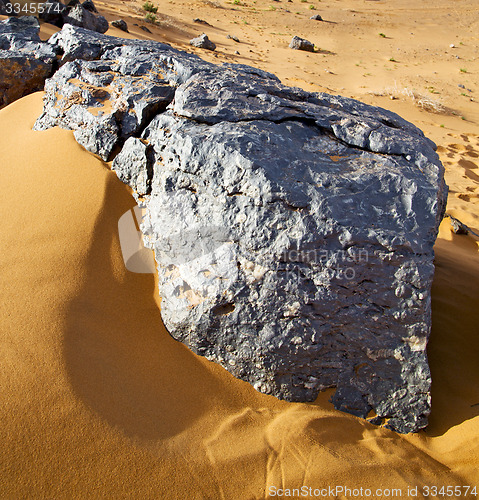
293 231
25 61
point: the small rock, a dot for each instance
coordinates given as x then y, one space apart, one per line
83 18
461 86
203 42
201 21
452 46
144 28
316 17
298 43
458 227
376 420
237 53
233 37
90 6
52 11
120 24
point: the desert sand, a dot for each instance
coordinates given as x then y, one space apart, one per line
98 401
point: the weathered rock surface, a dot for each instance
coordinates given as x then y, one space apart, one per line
203 42
112 92
25 61
316 17
298 43
293 231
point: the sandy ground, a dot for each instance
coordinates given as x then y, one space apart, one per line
98 401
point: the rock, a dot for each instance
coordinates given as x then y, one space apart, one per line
203 42
90 6
293 231
301 44
237 53
25 61
79 16
316 17
108 88
6 8
233 37
144 28
120 24
201 21
52 12
320 215
458 227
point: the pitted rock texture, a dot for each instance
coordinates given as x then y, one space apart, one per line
25 61
293 231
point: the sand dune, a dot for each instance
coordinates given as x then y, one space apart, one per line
98 401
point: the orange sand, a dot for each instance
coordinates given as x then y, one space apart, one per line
98 401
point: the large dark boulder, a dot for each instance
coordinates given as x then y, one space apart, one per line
293 231
25 61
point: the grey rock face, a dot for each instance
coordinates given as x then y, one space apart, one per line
298 43
293 234
120 24
203 42
112 94
293 231
79 16
25 61
316 17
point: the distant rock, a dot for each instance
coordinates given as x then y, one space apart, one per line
25 61
81 17
120 24
233 37
144 28
203 42
298 43
201 21
316 17
52 12
90 6
293 231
